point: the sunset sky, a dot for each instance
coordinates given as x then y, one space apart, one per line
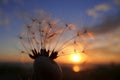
101 17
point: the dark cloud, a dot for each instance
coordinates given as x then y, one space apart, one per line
109 24
117 1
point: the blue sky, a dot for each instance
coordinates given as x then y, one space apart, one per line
15 14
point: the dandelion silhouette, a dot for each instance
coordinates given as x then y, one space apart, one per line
44 41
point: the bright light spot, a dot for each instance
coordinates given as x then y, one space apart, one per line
76 58
76 68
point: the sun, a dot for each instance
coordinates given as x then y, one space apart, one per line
76 58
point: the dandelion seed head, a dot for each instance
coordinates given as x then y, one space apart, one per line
46 37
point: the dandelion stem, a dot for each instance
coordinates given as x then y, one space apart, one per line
64 44
58 40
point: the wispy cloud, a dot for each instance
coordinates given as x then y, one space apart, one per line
117 1
107 38
94 12
109 24
102 7
106 46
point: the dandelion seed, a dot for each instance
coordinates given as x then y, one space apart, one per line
90 35
29 26
22 51
71 26
34 19
85 31
20 37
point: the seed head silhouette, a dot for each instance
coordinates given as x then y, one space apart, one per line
43 40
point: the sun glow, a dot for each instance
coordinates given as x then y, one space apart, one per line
76 58
76 68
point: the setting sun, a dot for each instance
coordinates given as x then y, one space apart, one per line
76 58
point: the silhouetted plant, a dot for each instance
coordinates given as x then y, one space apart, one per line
48 39
45 38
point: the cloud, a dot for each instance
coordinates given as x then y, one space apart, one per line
94 12
102 7
109 24
107 39
106 45
117 1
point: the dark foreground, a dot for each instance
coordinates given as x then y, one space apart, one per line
18 71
